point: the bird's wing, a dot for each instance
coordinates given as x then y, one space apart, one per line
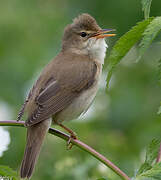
58 94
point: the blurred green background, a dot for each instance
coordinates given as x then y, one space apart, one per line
119 125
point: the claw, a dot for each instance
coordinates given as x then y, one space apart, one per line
69 143
73 135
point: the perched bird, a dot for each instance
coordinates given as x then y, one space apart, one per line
66 87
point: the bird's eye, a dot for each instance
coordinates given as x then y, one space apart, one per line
83 34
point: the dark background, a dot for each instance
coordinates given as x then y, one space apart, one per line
119 125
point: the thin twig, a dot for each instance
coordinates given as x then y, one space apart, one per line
76 142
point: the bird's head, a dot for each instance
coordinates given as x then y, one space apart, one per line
85 36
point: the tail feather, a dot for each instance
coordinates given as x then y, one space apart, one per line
35 137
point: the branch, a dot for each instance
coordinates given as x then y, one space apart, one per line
76 142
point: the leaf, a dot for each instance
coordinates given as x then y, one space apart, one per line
152 174
7 172
144 167
152 151
146 7
151 155
149 34
101 179
124 44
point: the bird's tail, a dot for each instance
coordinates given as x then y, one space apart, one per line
35 137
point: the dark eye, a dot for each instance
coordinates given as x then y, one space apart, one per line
83 34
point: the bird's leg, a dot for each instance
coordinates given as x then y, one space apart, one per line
72 134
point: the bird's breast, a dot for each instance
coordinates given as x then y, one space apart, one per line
81 103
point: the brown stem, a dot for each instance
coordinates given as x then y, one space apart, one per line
76 142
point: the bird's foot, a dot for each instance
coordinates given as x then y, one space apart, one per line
69 142
72 134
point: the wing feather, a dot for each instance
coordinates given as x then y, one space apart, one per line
57 96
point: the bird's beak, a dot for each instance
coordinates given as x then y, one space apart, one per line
103 33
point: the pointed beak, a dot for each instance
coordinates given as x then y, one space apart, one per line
103 33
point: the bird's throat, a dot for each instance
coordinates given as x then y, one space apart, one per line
97 49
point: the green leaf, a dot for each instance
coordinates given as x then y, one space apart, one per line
152 151
151 155
124 44
152 174
144 167
146 7
101 179
7 172
149 34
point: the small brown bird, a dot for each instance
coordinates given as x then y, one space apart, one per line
66 86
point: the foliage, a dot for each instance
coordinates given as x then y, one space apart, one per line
152 174
7 172
148 35
124 44
151 154
146 7
148 29
150 169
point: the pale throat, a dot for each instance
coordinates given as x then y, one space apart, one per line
97 49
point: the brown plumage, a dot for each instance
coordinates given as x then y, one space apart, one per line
58 85
66 87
